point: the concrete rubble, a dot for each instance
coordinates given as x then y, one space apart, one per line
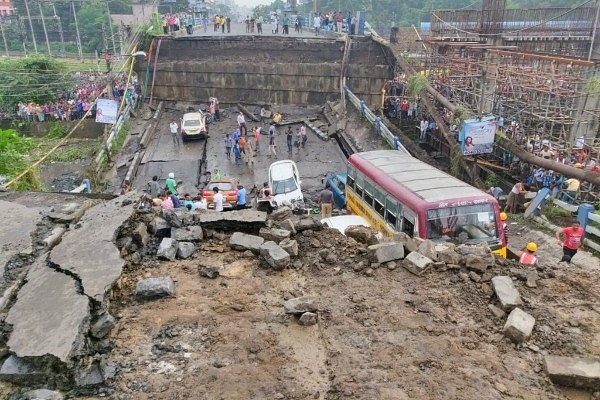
241 241
155 288
507 293
274 255
579 372
518 326
167 249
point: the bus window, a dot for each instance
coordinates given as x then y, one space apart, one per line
350 182
368 196
391 211
379 202
359 186
408 223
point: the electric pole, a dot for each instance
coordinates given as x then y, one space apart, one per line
112 33
77 30
31 26
60 31
45 31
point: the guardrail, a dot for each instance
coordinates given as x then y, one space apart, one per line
380 128
592 231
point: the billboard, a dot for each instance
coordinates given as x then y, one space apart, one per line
477 136
106 111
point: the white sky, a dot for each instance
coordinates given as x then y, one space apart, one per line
252 3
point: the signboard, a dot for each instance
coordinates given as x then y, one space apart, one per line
477 135
106 111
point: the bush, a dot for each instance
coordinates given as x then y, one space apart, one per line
13 161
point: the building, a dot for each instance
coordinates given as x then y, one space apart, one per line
6 7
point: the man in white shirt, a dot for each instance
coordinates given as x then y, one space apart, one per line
317 24
241 120
218 199
174 131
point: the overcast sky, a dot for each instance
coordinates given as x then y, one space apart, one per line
252 3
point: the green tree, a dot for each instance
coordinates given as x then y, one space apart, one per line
37 79
13 161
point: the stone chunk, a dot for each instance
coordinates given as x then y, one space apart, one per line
573 372
519 326
384 252
232 221
178 217
187 233
300 305
446 253
416 263
428 249
102 325
307 319
185 249
281 213
274 255
208 272
498 312
140 234
167 250
507 292
154 288
309 223
288 225
20 371
478 263
241 241
362 234
160 227
42 394
274 234
290 246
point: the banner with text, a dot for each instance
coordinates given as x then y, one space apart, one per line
106 111
477 136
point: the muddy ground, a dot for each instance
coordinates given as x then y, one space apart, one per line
383 333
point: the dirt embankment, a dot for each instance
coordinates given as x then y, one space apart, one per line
382 333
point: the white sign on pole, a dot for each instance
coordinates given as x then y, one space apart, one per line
106 111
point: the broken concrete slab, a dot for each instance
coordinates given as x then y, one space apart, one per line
155 288
185 250
573 371
178 217
242 241
428 249
308 223
416 263
98 266
384 252
42 394
35 334
187 233
300 305
160 227
446 253
238 220
507 293
102 325
167 249
18 223
274 234
518 326
362 234
141 235
274 255
20 371
478 263
290 246
281 213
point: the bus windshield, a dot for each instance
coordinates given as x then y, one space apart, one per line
464 224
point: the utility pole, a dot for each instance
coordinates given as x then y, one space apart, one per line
104 38
112 33
3 37
31 26
77 30
45 31
60 31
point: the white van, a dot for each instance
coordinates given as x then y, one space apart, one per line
284 181
193 126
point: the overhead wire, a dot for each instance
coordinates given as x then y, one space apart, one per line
451 26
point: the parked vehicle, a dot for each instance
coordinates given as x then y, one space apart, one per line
193 126
337 182
226 186
284 180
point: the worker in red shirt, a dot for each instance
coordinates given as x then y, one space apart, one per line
573 240
527 254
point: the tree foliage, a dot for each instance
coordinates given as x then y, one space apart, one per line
37 79
12 153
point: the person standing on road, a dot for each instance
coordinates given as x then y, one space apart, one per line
171 183
257 139
228 146
286 24
303 135
272 129
259 24
241 200
263 115
289 138
228 22
154 187
272 150
241 120
573 240
174 128
249 154
326 201
317 24
237 153
298 140
218 199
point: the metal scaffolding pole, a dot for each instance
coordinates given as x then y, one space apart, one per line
45 31
31 26
4 37
60 31
77 30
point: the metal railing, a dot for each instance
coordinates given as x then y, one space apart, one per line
380 128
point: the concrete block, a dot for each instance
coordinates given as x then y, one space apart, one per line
185 250
102 325
308 319
384 252
300 305
519 325
428 249
507 292
187 233
290 246
274 255
140 234
167 250
241 241
416 263
42 394
160 227
20 371
153 288
573 371
274 234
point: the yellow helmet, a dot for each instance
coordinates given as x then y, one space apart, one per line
503 216
531 246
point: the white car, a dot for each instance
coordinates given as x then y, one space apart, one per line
284 181
193 126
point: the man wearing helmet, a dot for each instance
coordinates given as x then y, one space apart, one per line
527 254
171 184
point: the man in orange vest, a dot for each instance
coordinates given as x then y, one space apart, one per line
527 254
